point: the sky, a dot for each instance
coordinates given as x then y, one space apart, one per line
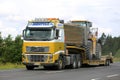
105 14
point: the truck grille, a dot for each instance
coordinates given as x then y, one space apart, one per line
37 49
37 58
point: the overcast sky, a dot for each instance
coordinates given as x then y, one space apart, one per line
105 14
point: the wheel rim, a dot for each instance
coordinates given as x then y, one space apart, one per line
60 64
79 64
74 64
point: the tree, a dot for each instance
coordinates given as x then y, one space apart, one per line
8 48
17 49
11 50
111 44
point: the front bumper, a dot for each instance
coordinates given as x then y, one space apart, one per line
40 64
38 59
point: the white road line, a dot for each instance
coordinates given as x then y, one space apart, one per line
109 76
54 71
96 79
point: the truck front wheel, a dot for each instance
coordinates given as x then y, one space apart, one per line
60 64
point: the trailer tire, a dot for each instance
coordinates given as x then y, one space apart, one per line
47 67
29 67
107 63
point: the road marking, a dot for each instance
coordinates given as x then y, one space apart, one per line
96 79
54 71
109 76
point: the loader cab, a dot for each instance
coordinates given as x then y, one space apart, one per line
86 25
82 23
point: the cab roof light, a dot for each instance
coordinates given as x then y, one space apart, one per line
53 18
43 19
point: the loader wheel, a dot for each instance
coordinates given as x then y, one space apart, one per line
98 51
29 67
88 50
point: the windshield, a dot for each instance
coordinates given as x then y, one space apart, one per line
38 34
80 23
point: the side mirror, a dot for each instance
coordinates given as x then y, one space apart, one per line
23 34
89 24
62 21
57 34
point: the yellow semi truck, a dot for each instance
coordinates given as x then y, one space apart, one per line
51 43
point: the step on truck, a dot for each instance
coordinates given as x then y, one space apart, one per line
51 43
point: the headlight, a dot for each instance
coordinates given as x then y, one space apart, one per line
28 49
50 56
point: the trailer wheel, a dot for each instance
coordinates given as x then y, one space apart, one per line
29 67
47 67
107 63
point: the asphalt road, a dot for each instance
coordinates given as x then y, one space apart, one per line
111 72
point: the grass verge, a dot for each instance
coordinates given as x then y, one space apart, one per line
10 66
116 59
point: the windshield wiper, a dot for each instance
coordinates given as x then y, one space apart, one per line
38 39
30 39
45 39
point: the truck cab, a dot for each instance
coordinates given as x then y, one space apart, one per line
43 42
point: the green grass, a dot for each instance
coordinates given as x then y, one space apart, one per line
10 66
117 56
116 59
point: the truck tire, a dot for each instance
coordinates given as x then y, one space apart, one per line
60 64
74 63
29 67
47 67
98 51
79 64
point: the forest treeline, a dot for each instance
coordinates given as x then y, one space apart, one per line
110 44
11 50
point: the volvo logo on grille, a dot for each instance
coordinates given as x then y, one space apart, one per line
37 49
